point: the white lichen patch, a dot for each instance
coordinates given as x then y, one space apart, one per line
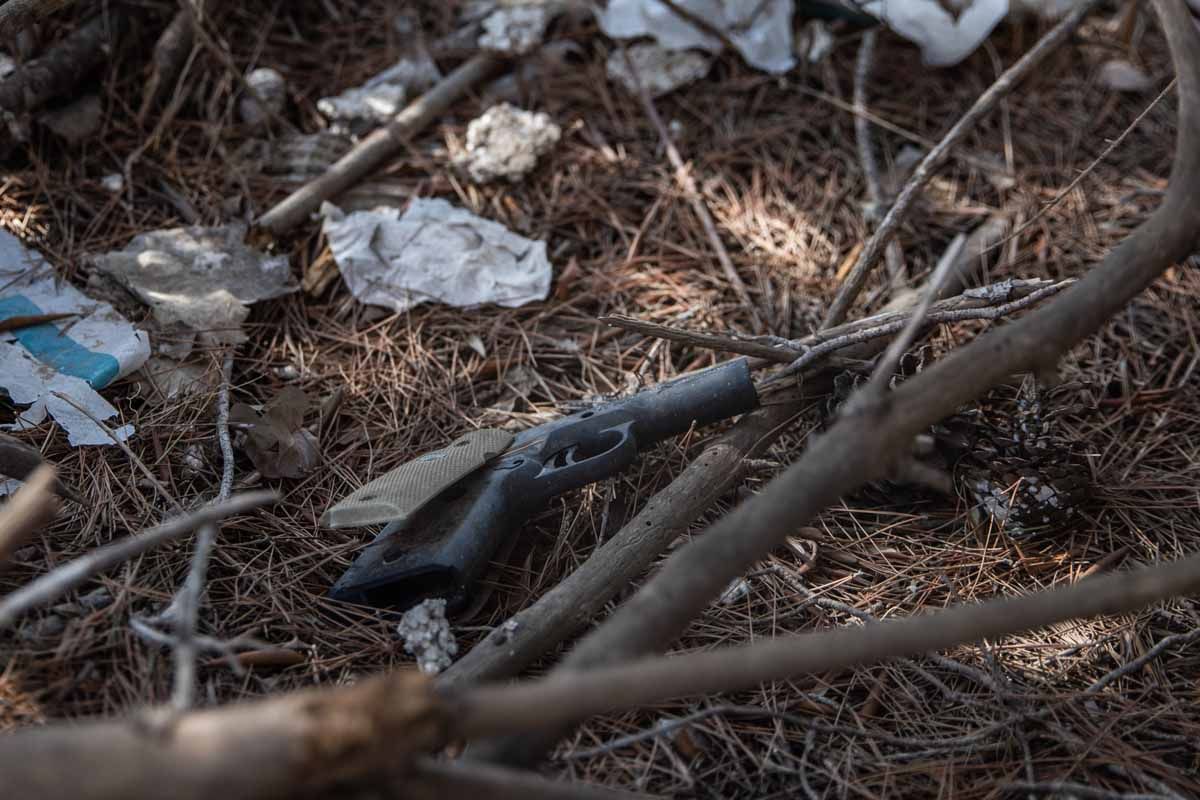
427 636
516 29
505 142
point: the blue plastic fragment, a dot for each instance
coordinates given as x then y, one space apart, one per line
48 345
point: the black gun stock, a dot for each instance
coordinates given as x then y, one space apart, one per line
445 547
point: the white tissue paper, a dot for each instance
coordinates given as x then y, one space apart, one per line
761 32
434 252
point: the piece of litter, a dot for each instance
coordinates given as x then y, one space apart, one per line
476 344
73 356
945 38
113 182
761 31
427 636
814 42
434 252
737 589
517 29
1121 76
76 121
505 142
361 108
201 277
272 88
658 69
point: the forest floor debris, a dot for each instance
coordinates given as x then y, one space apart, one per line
779 171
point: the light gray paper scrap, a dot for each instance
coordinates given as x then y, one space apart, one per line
761 32
434 252
200 277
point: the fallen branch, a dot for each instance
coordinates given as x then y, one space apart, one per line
937 156
31 507
61 580
381 146
871 437
569 696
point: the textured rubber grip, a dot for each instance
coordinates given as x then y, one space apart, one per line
398 494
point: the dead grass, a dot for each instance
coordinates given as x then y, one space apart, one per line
778 167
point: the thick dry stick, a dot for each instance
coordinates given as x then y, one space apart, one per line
381 146
19 460
16 15
572 605
62 579
31 507
171 51
683 176
862 446
937 156
64 66
567 697
288 746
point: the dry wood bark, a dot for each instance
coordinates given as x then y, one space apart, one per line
870 437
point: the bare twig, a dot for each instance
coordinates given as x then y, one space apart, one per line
938 155
683 176
866 153
193 587
903 319
16 15
61 580
382 145
974 305
31 507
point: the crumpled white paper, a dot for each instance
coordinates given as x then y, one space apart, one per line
202 278
761 32
73 356
945 38
434 252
